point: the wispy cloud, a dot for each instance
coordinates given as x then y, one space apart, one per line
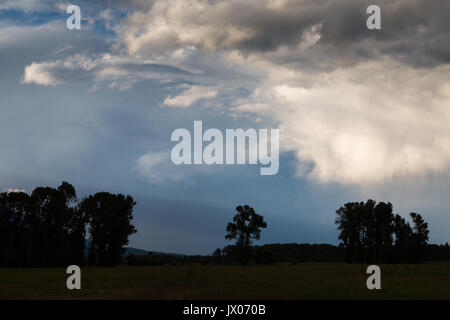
191 95
114 71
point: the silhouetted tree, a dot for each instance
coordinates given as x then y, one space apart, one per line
419 236
403 239
349 221
77 236
381 232
13 231
49 223
246 225
76 225
110 226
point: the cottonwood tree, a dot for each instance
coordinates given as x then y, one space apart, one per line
246 226
403 238
48 219
35 230
110 226
367 232
48 227
13 235
420 236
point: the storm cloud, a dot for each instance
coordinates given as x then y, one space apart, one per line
362 113
415 32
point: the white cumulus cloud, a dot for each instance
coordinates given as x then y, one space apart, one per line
377 121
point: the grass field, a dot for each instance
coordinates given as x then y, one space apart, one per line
301 281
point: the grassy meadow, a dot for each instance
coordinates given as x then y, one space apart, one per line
282 281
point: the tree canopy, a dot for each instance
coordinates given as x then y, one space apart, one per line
48 227
370 232
245 227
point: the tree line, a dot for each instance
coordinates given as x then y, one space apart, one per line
267 254
370 232
49 227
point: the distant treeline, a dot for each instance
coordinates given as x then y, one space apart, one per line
270 254
48 228
369 233
278 253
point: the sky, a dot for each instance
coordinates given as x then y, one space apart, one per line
362 114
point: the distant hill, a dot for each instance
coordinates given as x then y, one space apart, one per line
142 252
135 251
139 252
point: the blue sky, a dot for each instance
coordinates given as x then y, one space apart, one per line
361 115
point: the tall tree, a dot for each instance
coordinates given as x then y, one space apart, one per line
49 222
76 225
403 239
110 226
13 207
246 225
77 236
382 231
349 220
419 236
